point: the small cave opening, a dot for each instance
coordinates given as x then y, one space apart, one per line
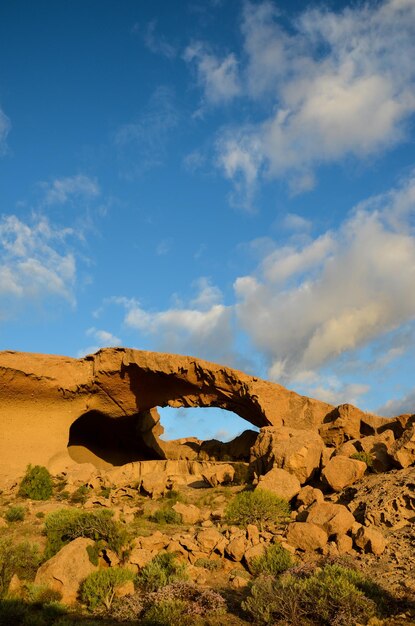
104 441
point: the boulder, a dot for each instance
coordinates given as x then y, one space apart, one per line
340 425
403 450
155 542
280 482
140 557
154 485
253 553
370 539
236 548
295 450
219 474
308 495
190 513
335 519
344 544
340 472
306 536
210 540
379 446
65 571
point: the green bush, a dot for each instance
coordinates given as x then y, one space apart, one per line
36 484
40 594
166 515
161 571
242 473
80 495
15 514
22 559
332 595
366 457
274 561
259 507
167 613
64 525
210 564
100 586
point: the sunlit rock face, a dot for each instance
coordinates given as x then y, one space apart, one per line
102 408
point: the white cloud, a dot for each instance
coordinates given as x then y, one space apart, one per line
33 260
295 222
63 190
308 306
4 131
202 328
217 77
399 406
157 43
339 84
103 339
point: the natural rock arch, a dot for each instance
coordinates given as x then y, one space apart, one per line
43 396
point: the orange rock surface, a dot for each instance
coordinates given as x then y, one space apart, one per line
102 408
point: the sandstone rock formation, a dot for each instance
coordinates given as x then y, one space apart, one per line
102 409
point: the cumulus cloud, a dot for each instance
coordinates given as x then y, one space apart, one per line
102 338
203 327
307 306
63 190
34 260
400 406
339 84
218 77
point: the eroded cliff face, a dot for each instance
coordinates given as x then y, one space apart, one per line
102 408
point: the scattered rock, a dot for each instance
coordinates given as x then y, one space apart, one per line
236 548
190 513
280 482
219 474
335 519
65 571
297 451
306 536
370 539
253 553
403 450
308 495
340 472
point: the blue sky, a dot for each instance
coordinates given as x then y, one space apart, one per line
226 179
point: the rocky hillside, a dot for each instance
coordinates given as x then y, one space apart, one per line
309 521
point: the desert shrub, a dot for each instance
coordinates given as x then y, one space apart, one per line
80 495
330 596
40 515
210 564
100 586
199 601
64 525
15 514
163 570
366 457
167 613
274 561
259 507
174 496
12 612
22 559
128 608
40 594
242 473
166 515
36 484
105 492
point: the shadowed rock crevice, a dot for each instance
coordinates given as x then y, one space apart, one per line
95 438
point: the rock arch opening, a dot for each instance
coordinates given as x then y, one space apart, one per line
105 441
